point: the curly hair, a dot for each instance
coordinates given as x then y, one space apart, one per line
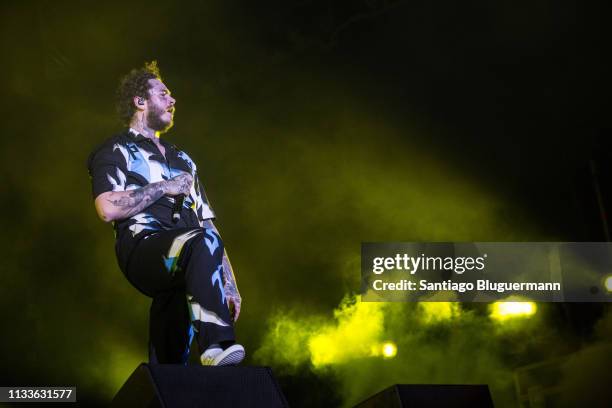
136 83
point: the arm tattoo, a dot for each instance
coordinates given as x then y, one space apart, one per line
230 282
138 199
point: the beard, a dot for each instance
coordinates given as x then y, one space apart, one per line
155 121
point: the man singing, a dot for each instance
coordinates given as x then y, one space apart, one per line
139 182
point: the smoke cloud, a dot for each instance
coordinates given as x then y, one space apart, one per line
437 342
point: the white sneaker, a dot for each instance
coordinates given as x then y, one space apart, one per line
216 356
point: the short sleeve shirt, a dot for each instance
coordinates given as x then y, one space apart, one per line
129 161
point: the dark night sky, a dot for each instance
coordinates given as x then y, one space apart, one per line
318 125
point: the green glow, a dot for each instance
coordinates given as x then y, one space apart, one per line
355 332
440 342
357 326
439 311
113 361
286 340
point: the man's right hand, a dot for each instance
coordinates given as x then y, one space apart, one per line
180 184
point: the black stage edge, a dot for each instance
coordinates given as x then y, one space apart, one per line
175 385
430 396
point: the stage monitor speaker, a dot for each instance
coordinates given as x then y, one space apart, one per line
179 386
430 396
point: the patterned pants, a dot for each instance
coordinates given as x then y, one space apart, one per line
182 271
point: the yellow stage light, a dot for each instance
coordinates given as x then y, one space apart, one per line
507 310
389 350
608 283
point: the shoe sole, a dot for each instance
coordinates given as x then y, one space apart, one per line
231 356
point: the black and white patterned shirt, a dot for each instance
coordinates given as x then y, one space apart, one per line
129 161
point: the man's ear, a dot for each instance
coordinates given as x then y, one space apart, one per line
139 102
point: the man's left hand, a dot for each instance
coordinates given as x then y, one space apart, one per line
234 302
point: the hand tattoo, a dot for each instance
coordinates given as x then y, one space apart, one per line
181 183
